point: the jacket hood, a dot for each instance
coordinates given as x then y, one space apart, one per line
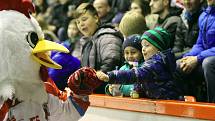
104 29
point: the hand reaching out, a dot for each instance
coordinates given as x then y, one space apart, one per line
102 76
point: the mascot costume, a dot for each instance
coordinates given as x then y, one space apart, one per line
26 91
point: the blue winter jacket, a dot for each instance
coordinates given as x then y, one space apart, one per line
205 45
154 77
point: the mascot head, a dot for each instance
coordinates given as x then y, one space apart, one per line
23 50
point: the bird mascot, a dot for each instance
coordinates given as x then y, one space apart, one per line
26 91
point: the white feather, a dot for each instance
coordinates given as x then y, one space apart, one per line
7 91
19 73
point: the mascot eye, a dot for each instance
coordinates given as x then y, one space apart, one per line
32 39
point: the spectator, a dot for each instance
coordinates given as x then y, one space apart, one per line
201 58
154 77
120 5
142 6
167 20
103 8
74 39
60 19
101 45
133 59
132 23
187 28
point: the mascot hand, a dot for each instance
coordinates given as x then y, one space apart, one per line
51 88
84 81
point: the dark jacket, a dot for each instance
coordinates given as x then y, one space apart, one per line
107 19
205 45
102 51
154 77
170 24
186 33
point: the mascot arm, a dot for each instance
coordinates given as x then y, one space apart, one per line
64 105
4 107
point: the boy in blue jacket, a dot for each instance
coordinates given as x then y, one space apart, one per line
154 77
202 55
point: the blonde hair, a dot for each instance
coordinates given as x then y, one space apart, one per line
132 23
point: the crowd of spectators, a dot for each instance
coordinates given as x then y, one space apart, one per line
96 31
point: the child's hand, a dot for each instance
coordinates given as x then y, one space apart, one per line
102 76
110 89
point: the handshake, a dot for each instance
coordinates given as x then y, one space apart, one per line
85 80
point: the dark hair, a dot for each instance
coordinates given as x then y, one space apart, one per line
109 2
83 8
144 5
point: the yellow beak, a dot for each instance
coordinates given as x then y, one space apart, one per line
41 53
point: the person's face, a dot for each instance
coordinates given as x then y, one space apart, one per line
211 2
148 50
72 30
136 7
191 5
157 6
132 54
87 24
102 8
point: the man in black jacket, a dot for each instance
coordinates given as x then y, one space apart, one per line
187 30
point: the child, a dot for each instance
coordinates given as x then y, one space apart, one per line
134 59
73 42
132 23
154 77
